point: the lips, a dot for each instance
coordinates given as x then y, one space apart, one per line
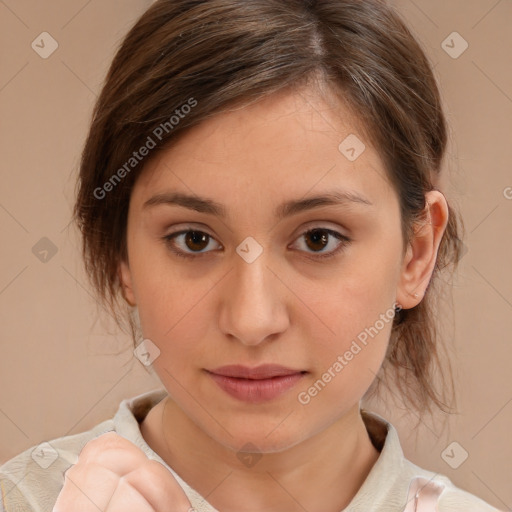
256 385
264 371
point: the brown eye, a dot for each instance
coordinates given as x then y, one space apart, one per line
192 243
318 239
196 240
189 243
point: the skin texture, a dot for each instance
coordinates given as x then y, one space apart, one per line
113 475
287 307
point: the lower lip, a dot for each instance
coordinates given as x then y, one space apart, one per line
256 390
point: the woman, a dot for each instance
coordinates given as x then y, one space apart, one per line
260 188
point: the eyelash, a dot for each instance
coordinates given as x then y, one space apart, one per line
345 241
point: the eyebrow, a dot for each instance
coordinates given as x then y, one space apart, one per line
286 209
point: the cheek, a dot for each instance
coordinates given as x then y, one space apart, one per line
173 314
162 297
345 370
351 330
172 320
344 306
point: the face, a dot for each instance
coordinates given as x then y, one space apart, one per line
233 277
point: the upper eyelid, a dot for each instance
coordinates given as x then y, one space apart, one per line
305 230
311 225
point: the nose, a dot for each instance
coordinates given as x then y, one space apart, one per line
253 307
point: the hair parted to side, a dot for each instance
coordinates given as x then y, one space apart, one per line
214 54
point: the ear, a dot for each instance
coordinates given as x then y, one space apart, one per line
125 278
421 255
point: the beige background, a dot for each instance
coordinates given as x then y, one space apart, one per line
62 370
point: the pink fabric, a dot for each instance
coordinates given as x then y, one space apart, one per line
423 495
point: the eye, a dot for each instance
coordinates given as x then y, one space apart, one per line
319 239
190 243
195 240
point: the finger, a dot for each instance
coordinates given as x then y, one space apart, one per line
87 488
127 499
113 452
159 487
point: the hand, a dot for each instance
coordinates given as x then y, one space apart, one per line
113 475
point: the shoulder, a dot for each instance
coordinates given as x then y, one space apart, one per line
33 479
455 499
397 482
439 490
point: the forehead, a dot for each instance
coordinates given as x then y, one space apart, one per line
288 144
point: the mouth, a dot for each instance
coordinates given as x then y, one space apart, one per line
256 385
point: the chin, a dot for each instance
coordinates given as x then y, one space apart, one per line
262 438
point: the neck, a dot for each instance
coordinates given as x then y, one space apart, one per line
322 473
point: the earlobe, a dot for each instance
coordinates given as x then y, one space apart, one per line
125 279
421 255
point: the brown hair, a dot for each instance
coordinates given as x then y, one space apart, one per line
214 54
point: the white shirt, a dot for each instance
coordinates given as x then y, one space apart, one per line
32 480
